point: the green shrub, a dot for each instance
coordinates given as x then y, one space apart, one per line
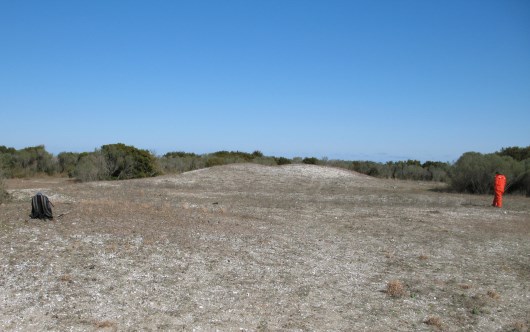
67 162
37 160
115 162
474 172
283 161
180 154
179 163
257 154
310 161
27 162
216 161
127 162
91 167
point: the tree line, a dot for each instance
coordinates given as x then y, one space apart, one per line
472 172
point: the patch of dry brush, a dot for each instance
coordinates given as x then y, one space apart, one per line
395 288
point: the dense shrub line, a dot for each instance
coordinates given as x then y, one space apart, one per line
472 172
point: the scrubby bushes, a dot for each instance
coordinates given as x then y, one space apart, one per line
178 162
115 162
282 161
474 172
310 161
67 162
402 170
516 152
27 162
90 167
128 162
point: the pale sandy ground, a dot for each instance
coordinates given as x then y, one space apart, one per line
257 248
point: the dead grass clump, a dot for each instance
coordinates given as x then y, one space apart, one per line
493 294
390 254
434 321
105 324
395 288
66 278
519 327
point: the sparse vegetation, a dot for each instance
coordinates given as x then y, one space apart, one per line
519 327
434 321
493 294
159 253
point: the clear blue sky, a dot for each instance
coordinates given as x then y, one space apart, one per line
359 80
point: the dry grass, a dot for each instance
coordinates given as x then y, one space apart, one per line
395 288
434 321
390 254
106 324
66 278
519 327
493 294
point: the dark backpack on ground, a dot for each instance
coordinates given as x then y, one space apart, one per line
41 207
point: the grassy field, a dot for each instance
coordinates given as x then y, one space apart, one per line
257 248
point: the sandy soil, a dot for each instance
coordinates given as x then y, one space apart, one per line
257 248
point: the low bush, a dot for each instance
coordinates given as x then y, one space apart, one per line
310 161
283 161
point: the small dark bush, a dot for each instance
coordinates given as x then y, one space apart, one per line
257 154
283 161
310 161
